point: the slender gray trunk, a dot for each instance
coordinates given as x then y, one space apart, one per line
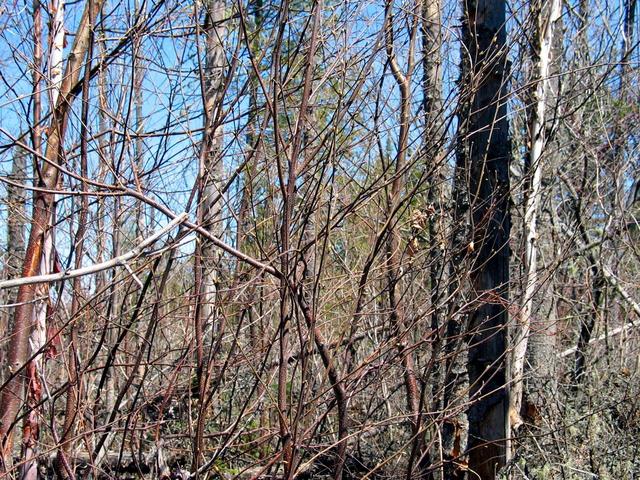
210 206
16 206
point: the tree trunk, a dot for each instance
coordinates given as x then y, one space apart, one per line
547 16
542 339
210 206
63 468
16 221
485 152
394 253
433 138
13 393
42 306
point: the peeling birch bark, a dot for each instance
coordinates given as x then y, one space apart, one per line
542 95
13 395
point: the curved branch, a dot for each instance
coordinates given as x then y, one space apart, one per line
114 262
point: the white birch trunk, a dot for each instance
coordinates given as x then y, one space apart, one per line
541 95
56 51
38 337
39 334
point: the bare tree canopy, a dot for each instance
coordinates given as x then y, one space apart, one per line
319 239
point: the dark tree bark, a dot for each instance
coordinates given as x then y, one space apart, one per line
484 152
